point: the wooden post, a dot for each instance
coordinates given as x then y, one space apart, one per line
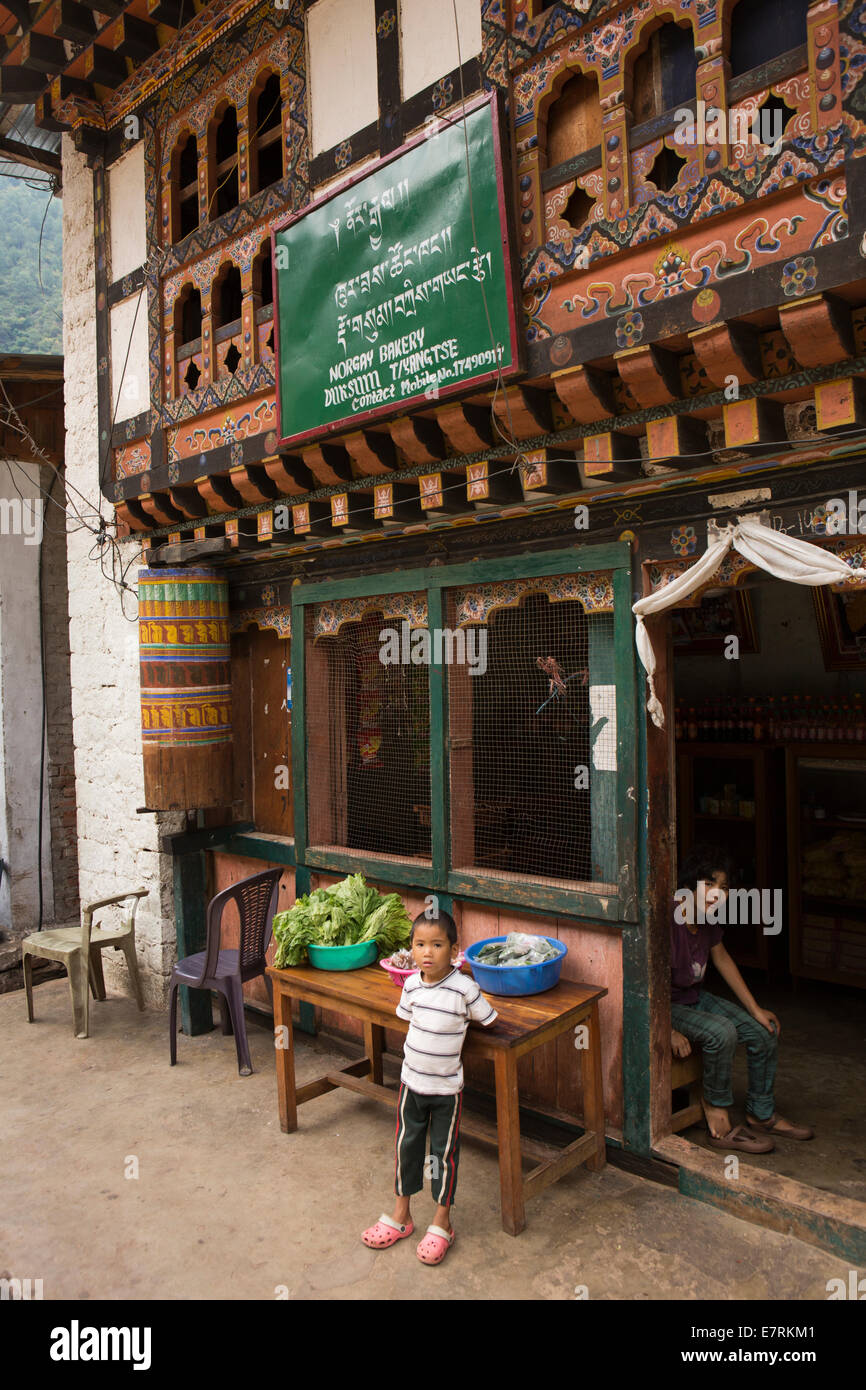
190 916
593 1093
306 1012
285 1055
508 1129
374 1043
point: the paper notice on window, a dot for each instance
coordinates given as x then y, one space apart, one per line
602 707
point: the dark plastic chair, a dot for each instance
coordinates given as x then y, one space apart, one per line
227 971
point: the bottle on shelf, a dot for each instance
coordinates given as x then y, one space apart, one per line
759 727
693 724
785 719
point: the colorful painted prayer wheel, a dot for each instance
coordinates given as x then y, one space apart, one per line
186 718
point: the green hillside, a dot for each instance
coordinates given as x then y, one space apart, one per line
29 315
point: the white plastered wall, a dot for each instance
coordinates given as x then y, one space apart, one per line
130 385
428 40
127 213
117 848
341 48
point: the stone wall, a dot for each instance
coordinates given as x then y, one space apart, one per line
117 848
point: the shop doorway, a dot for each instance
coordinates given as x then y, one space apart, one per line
771 768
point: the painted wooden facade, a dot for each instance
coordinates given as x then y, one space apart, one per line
695 325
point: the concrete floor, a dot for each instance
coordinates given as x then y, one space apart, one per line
820 1081
226 1206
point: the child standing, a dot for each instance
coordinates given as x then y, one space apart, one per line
438 1003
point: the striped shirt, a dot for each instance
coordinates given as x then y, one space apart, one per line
438 1015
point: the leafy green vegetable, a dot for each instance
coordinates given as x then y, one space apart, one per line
341 915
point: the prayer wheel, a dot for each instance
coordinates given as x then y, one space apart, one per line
186 721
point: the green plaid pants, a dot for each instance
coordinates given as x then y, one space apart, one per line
717 1025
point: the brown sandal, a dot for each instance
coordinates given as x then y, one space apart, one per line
771 1126
742 1138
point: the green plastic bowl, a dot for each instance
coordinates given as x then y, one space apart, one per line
343 957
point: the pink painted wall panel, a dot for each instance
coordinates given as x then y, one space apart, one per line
231 868
550 1077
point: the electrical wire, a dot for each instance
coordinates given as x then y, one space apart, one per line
15 423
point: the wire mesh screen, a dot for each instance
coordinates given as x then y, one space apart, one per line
533 745
368 744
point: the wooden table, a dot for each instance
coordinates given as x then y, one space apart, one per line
523 1024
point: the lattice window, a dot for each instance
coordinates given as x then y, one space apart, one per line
223 162
486 747
574 119
764 29
368 741
266 125
532 737
663 76
184 188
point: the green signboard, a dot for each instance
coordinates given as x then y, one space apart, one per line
397 289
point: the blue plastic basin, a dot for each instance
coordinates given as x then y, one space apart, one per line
515 979
343 957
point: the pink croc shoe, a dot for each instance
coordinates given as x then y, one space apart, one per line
435 1245
386 1232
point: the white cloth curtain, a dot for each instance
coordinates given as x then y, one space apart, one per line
781 555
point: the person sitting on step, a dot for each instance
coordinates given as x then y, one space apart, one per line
718 1024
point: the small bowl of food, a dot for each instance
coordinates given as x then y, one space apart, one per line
402 964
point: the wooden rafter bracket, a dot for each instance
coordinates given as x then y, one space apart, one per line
420 439
676 440
132 515
840 405
395 502
371 451
611 457
651 373
290 475
525 410
755 421
586 392
43 53
74 22
171 13
189 502
19 85
254 483
104 66
493 484
219 493
818 329
728 349
133 38
467 427
159 506
329 463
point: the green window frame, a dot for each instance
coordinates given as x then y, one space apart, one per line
620 905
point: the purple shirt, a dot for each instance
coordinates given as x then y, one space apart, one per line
689 955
